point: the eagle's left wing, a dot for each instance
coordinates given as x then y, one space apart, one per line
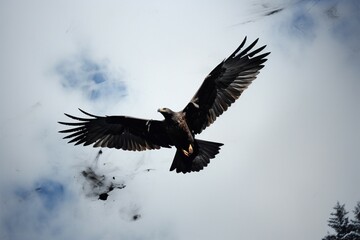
223 86
123 132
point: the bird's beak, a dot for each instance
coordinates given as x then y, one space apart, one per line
160 110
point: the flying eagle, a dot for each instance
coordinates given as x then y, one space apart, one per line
218 91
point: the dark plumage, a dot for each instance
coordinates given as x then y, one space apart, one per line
218 91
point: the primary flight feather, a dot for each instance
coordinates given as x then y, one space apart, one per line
219 90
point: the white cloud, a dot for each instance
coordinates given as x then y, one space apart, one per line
290 141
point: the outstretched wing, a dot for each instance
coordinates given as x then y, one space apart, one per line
223 86
119 132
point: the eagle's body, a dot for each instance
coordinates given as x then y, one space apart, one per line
218 91
177 129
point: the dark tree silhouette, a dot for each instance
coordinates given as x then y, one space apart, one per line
343 228
355 223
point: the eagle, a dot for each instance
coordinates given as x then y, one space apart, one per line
219 90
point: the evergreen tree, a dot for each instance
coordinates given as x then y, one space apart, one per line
355 224
340 223
344 230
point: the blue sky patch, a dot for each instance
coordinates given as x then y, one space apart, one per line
92 78
340 19
51 193
345 25
32 208
302 24
99 78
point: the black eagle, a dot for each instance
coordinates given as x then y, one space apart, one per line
218 91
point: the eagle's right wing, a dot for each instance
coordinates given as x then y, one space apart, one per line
224 85
119 132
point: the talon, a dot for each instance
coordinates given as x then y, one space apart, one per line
185 152
189 152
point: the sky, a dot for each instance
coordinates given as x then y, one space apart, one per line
291 141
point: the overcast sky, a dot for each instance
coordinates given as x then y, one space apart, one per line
291 141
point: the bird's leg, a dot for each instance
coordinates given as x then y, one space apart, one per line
189 151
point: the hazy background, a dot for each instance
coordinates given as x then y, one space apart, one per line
291 141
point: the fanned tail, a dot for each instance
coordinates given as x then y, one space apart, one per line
203 152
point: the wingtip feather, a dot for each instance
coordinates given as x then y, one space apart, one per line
88 114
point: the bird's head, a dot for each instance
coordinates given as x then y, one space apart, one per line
166 112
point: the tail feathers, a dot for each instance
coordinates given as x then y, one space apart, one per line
203 152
